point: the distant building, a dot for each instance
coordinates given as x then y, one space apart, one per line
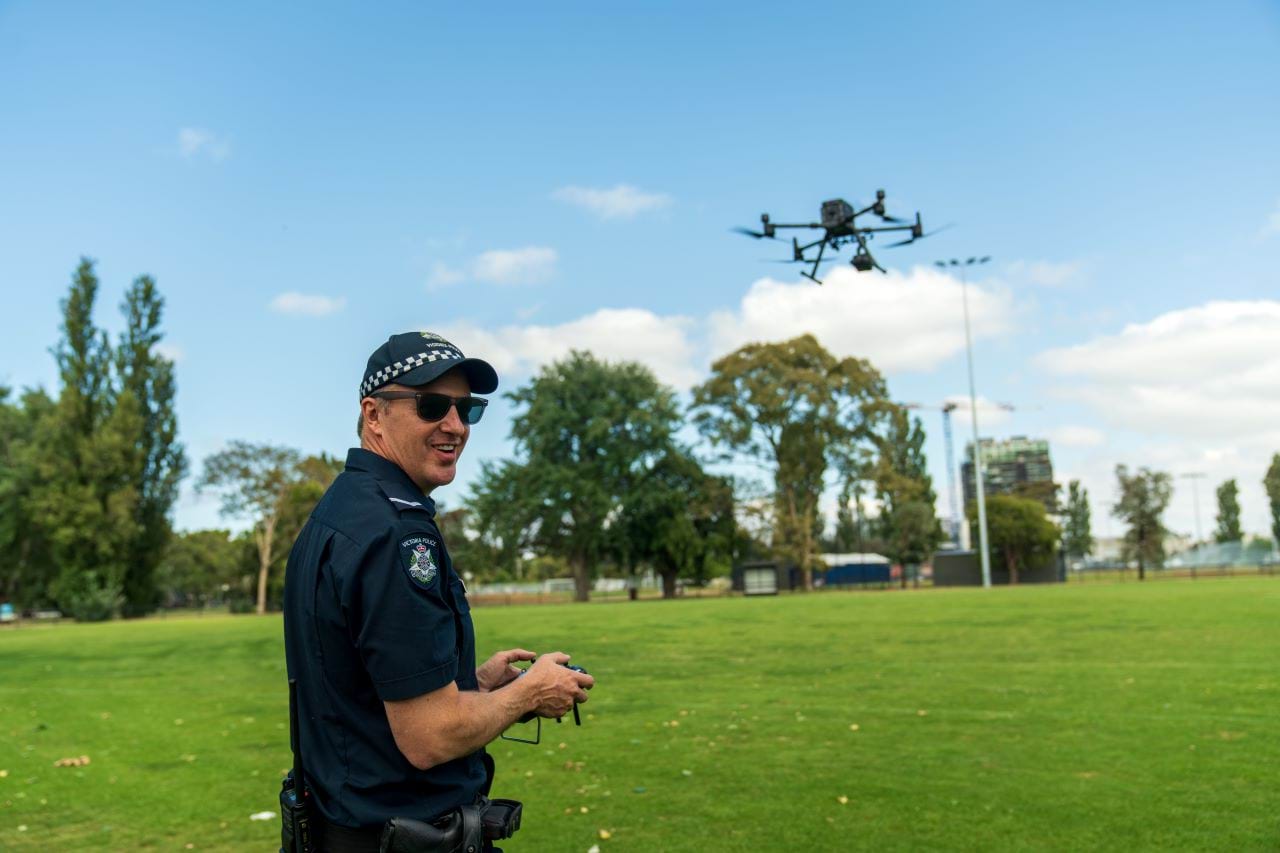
1017 466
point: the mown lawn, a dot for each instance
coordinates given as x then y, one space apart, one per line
1097 716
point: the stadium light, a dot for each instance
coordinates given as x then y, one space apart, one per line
1195 501
978 471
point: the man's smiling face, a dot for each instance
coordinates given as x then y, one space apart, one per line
427 451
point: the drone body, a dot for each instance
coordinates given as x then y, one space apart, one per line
840 228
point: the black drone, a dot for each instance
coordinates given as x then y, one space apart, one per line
841 229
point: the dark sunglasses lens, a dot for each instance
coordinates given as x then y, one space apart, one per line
433 407
471 409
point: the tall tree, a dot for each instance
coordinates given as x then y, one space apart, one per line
1144 497
797 410
680 520
86 498
1077 537
314 476
256 481
1271 482
1018 532
147 384
907 523
1228 513
586 436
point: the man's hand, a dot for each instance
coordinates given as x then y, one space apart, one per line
553 688
497 670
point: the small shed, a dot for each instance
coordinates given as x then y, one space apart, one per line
849 569
764 577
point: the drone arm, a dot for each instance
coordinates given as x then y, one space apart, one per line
795 225
822 245
888 228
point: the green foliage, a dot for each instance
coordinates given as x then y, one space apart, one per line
907 524
1144 496
85 492
87 481
680 520
258 482
1271 483
1077 535
847 535
28 568
588 434
1018 532
147 382
200 568
88 598
276 488
796 409
1228 529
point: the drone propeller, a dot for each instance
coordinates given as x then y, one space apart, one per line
918 234
895 220
756 234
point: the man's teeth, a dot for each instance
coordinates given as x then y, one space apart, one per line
447 448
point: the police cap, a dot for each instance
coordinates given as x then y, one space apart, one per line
416 358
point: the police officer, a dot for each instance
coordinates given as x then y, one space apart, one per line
393 712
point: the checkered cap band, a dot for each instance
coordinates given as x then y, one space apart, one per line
376 380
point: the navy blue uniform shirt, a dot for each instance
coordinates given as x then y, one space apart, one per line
374 612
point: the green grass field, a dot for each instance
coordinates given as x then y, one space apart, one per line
1095 716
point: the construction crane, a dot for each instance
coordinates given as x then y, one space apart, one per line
947 408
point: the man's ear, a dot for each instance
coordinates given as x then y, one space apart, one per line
371 412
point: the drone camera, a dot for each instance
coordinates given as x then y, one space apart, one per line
862 262
836 212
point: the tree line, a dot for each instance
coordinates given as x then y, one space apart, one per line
600 479
603 478
1144 496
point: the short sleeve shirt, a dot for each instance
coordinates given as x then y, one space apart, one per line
373 612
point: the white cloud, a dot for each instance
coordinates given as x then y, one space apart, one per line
1209 371
1272 225
1076 435
628 334
193 141
307 304
899 321
442 276
1197 387
621 202
529 265
1043 273
172 352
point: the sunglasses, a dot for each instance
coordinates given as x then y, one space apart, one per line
434 407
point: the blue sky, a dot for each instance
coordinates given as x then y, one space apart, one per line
303 180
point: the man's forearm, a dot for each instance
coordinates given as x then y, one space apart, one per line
436 728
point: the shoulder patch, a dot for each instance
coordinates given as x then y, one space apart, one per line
420 558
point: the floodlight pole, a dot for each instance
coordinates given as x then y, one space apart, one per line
1195 502
984 551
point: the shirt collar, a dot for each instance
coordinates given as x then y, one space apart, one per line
394 481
